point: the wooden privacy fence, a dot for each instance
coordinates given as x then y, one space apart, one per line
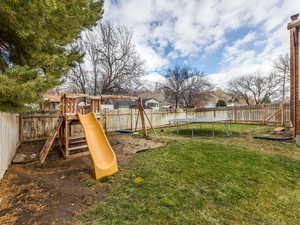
9 139
271 114
38 126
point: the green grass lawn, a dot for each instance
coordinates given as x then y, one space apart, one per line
222 180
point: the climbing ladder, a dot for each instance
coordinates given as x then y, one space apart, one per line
50 141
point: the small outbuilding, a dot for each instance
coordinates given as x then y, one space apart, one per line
151 103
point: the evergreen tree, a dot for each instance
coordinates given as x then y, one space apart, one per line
35 50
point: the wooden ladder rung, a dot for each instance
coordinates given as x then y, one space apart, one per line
77 141
77 147
50 141
78 155
76 137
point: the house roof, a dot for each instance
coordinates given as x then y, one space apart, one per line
147 99
52 98
125 102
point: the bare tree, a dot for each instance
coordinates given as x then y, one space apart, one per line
78 79
282 69
195 85
120 65
237 88
175 84
90 46
254 87
110 64
183 86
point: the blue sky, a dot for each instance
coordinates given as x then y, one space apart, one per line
222 38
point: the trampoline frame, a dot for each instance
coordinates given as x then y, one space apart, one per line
212 120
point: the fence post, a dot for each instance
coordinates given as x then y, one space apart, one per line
131 118
234 114
264 114
282 114
20 128
186 114
151 114
105 121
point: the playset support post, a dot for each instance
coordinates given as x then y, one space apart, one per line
142 114
294 28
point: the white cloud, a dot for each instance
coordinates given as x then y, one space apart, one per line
214 45
248 38
154 77
195 27
151 80
152 59
222 78
235 54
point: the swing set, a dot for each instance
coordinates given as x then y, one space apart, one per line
70 108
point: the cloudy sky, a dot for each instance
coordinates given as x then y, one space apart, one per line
222 38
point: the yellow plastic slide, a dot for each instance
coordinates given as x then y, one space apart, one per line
104 158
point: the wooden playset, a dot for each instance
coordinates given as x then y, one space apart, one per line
71 105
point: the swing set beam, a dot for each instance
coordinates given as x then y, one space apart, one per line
70 107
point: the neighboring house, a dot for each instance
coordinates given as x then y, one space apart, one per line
124 104
107 106
148 103
234 102
210 105
239 102
151 103
51 102
209 99
172 107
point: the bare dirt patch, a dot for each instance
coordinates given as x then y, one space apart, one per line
52 193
